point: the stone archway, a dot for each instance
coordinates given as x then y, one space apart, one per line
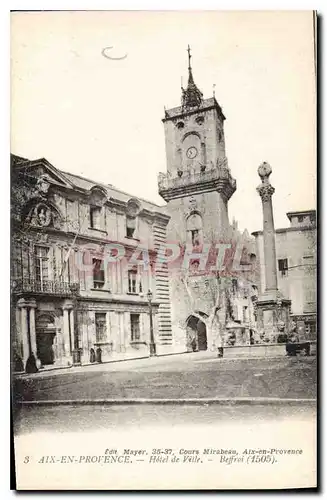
196 334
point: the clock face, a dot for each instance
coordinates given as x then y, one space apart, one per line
191 152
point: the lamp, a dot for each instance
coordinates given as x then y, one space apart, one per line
153 350
74 288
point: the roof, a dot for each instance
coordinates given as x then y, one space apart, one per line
299 229
15 159
301 212
83 183
113 192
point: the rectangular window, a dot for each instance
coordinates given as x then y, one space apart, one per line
310 331
98 273
195 237
81 256
245 314
234 286
134 282
135 327
95 217
283 266
194 266
101 327
130 227
41 255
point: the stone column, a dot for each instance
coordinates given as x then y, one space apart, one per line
32 306
28 334
67 330
266 190
271 305
24 332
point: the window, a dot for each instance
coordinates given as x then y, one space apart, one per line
41 265
234 286
310 331
194 266
134 282
300 218
245 314
283 266
130 227
101 327
194 229
135 327
195 237
95 217
98 273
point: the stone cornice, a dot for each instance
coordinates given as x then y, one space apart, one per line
90 239
300 229
207 105
216 180
120 301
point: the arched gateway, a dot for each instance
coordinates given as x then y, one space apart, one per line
196 333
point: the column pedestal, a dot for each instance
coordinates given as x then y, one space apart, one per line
270 312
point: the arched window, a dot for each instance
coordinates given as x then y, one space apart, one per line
194 229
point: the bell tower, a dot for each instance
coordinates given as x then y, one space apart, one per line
197 187
197 166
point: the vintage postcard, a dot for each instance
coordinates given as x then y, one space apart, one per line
163 250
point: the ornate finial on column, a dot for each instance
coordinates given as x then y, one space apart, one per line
264 171
265 190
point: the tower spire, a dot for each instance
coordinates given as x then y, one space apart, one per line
192 96
189 58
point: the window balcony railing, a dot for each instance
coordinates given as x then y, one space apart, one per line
55 287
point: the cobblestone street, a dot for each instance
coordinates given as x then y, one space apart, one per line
191 375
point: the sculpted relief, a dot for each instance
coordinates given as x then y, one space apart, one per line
42 215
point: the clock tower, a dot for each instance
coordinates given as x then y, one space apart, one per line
197 167
197 185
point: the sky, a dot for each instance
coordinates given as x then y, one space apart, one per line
101 118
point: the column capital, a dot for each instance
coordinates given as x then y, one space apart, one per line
27 303
265 190
67 305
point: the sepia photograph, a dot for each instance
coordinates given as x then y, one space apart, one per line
163 259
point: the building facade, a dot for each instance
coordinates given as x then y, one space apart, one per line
296 268
82 260
197 187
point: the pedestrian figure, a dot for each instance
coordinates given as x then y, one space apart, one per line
92 355
99 355
293 340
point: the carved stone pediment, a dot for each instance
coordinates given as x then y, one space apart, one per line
134 207
97 196
43 214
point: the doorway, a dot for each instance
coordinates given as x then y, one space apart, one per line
202 336
196 334
45 338
45 352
